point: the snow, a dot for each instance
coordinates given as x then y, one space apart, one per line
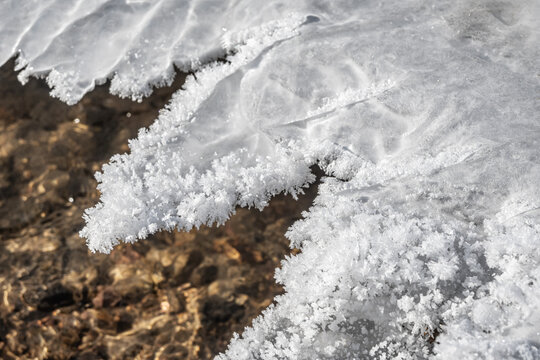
423 240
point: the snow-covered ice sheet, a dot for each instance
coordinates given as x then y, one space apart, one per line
424 238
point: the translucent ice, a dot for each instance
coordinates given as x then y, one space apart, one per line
77 44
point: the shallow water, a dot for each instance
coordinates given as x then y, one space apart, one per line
172 296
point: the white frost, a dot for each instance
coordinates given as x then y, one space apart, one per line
193 166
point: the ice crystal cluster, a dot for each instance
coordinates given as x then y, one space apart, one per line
424 239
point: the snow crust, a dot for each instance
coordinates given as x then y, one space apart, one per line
424 239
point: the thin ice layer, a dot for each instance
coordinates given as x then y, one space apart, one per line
77 44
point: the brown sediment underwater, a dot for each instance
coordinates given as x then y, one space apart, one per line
172 296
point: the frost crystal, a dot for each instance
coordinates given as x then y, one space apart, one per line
423 241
